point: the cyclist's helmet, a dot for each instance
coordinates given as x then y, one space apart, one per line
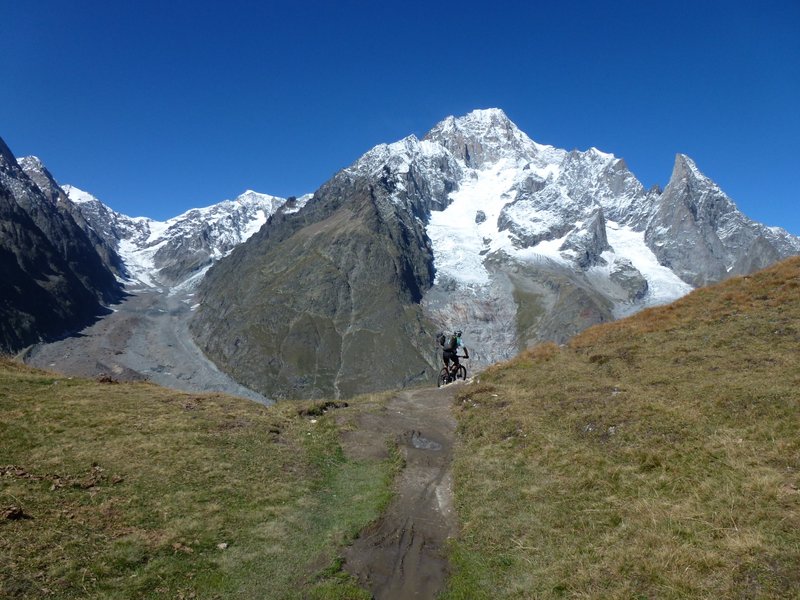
458 333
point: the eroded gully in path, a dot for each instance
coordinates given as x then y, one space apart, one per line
403 554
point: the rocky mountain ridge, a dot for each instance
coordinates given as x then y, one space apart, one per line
510 240
176 253
54 277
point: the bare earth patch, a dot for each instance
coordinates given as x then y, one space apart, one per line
403 554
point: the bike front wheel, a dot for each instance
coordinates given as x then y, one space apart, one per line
442 380
462 372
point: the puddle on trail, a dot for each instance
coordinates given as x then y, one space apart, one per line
418 441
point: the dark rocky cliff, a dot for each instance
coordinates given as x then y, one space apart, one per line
104 248
40 297
53 279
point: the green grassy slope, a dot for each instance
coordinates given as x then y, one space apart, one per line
134 491
655 457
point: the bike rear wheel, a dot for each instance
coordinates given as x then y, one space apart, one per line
442 380
462 372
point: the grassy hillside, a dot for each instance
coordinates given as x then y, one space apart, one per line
134 491
655 457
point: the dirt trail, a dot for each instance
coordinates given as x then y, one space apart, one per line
403 554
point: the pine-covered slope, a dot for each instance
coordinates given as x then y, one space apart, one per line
510 240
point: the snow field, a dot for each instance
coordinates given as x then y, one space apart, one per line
457 238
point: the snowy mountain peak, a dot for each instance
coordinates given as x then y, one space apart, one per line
686 174
600 154
41 177
31 162
253 196
77 195
399 156
483 137
686 167
478 122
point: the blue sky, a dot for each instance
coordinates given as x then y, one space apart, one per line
158 107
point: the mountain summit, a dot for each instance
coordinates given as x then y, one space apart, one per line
483 137
476 227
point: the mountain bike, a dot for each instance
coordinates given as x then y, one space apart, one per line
449 375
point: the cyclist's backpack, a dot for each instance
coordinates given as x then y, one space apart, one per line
451 343
440 339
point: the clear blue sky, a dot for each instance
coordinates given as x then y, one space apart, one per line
157 107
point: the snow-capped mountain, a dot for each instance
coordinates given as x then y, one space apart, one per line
506 214
475 226
177 252
106 249
480 228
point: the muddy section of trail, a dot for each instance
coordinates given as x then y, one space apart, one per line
403 554
146 337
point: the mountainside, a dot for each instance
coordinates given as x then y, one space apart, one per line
54 280
476 227
178 251
39 174
696 230
332 303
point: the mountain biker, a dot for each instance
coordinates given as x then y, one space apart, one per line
450 345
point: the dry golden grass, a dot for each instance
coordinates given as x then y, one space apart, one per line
653 457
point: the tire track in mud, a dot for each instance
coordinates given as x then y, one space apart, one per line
403 554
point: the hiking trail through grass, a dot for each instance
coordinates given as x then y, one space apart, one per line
402 555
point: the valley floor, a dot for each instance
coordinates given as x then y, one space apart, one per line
145 338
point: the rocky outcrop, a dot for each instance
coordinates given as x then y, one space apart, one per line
53 279
629 279
697 231
40 297
104 246
60 229
682 232
587 242
760 254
